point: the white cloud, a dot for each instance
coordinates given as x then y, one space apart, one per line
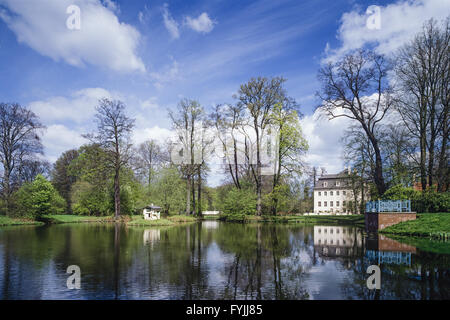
324 139
400 21
79 107
167 75
170 24
58 138
202 24
101 41
156 133
111 5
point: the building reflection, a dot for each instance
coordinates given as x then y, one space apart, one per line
151 236
210 225
383 250
334 241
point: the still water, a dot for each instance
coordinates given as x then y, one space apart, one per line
214 260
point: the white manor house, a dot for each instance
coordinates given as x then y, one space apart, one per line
333 194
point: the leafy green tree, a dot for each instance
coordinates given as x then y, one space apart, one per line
113 136
38 198
240 201
169 191
61 178
291 146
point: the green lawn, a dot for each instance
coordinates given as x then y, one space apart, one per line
7 221
169 221
140 221
434 225
69 218
329 219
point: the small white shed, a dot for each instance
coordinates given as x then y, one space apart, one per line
152 212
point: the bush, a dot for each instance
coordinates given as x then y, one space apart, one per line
399 192
37 198
431 201
427 201
87 200
240 201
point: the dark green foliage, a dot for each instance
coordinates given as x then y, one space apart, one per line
37 198
241 201
427 201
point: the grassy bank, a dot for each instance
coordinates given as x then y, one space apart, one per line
350 220
7 221
432 225
68 218
169 221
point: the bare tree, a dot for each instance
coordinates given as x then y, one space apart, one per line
259 96
187 122
19 142
357 87
422 73
228 121
113 135
149 156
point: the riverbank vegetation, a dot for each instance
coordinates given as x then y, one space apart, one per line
431 225
258 142
329 219
8 221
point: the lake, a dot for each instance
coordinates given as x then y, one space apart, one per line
214 260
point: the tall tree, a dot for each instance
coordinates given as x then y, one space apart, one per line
290 145
113 135
19 142
62 178
422 73
187 121
259 96
357 87
149 156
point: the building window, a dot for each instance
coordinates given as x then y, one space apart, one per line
343 203
324 203
344 192
331 193
320 193
337 203
325 184
337 183
331 203
319 204
337 192
324 193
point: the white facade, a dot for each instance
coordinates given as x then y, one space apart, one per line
332 200
333 194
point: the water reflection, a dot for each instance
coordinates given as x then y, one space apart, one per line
336 241
213 260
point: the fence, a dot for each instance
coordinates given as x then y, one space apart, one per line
388 206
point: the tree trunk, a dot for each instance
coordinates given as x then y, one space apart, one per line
423 157
258 175
188 195
379 180
193 194
116 194
199 192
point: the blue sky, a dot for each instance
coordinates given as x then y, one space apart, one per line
150 54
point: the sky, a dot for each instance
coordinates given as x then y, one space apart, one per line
151 54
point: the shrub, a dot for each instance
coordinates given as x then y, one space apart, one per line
37 198
240 201
427 201
399 192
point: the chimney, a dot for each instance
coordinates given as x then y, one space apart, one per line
349 171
